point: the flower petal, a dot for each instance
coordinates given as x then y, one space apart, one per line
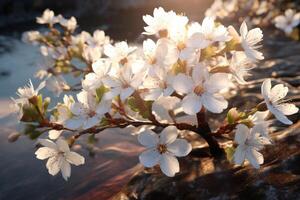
254 157
191 104
214 103
150 157
183 84
266 89
168 135
65 169
54 134
62 145
169 165
74 158
45 152
148 138
241 134
53 164
239 155
180 147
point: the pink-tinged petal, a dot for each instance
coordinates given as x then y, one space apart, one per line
74 158
65 169
217 82
239 155
191 104
214 103
45 152
150 157
241 134
148 138
168 135
180 147
183 84
169 164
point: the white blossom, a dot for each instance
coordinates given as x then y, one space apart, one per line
239 66
221 9
92 53
160 24
27 92
201 89
119 52
101 69
69 24
48 17
87 112
208 34
288 21
273 97
59 157
99 39
31 37
249 143
162 149
249 41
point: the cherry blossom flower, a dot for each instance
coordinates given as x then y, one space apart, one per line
63 110
31 37
249 143
239 66
163 53
101 69
201 89
119 52
162 149
160 24
99 39
208 34
48 17
87 112
273 97
69 24
260 123
162 107
27 93
249 41
288 21
128 79
59 157
157 83
221 9
92 53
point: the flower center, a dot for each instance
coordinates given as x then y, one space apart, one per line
163 33
162 148
199 90
92 113
123 61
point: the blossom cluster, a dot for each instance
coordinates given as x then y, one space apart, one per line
259 12
168 82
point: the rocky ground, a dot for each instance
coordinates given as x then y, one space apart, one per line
208 178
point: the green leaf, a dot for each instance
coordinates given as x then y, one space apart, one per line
140 106
229 153
100 92
32 132
30 114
